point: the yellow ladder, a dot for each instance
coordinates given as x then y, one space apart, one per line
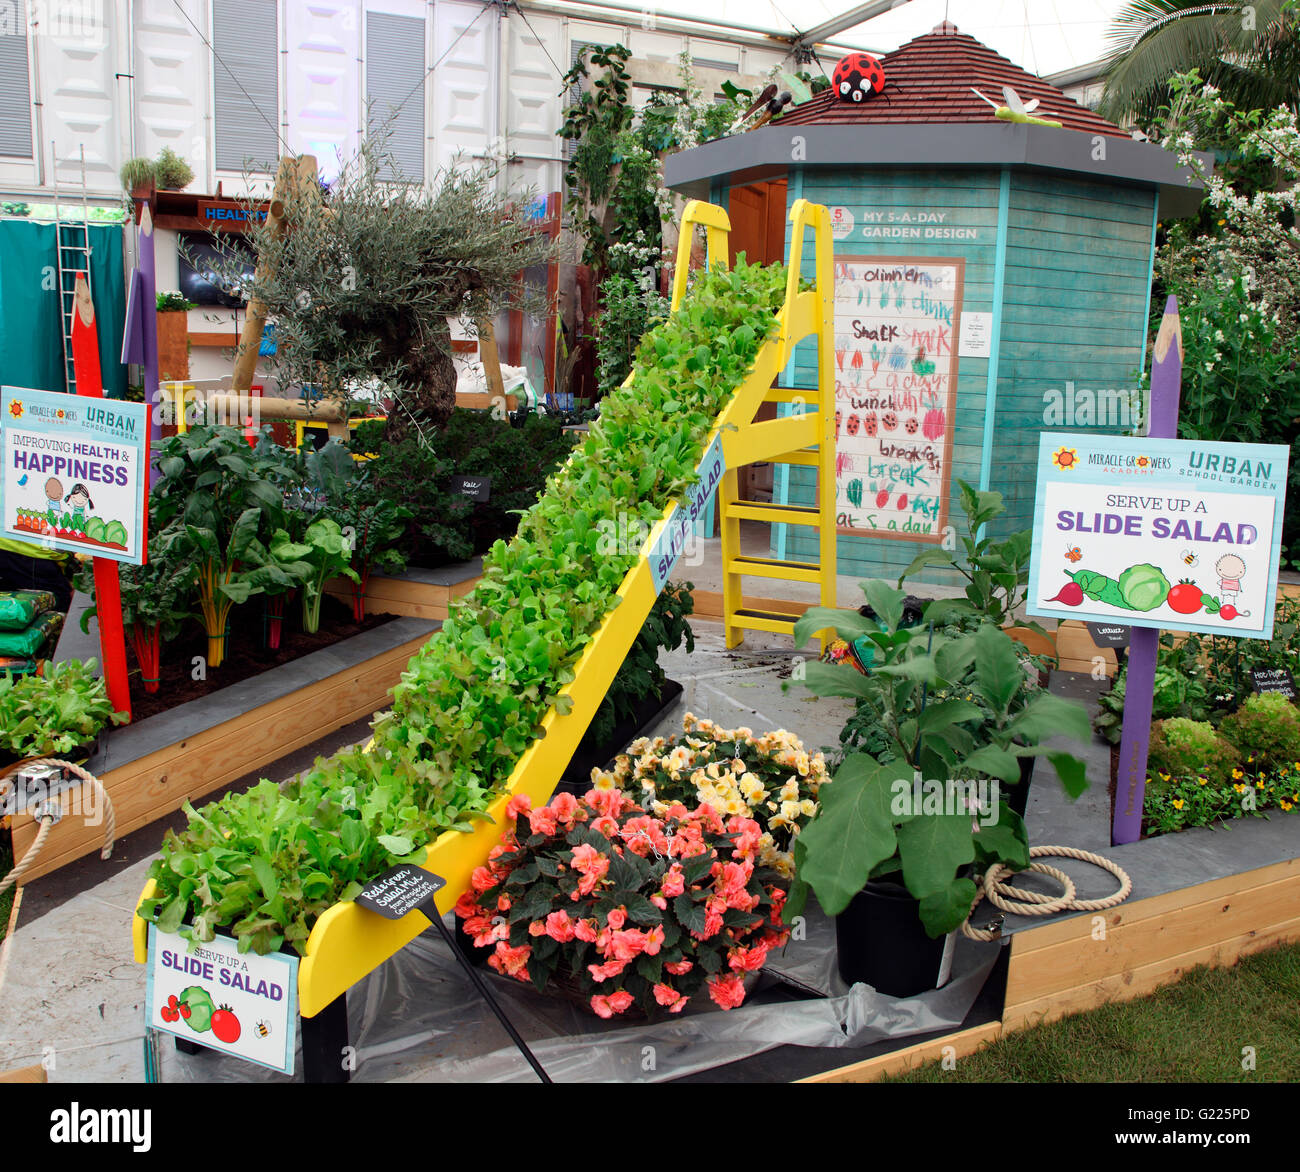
807 439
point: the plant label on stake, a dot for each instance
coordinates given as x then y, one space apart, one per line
477 488
402 889
1109 634
1273 679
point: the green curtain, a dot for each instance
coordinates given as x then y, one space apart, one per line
31 337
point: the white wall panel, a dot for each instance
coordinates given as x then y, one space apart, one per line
77 67
324 80
464 89
535 109
171 72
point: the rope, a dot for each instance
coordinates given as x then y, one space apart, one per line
47 820
1019 902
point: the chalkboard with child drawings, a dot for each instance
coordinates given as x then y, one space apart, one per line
896 329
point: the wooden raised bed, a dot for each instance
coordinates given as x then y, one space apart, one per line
150 768
421 594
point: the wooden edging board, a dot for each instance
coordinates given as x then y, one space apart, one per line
421 594
155 783
1085 961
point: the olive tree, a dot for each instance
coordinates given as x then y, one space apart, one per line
362 282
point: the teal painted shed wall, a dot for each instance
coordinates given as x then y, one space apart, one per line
1077 275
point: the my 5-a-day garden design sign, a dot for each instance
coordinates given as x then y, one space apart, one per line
74 474
1170 534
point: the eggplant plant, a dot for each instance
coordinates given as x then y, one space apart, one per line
954 709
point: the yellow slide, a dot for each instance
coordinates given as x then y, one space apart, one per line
348 942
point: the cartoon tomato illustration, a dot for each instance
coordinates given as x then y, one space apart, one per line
902 502
882 498
869 423
911 426
853 425
889 421
225 1025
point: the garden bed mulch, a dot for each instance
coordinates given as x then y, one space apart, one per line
245 655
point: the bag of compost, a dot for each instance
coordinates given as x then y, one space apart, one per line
20 608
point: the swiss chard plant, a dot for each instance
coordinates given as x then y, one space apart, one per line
329 554
157 598
952 711
473 699
214 489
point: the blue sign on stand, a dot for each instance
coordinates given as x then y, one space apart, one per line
667 548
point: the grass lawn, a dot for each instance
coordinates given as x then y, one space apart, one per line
1192 1031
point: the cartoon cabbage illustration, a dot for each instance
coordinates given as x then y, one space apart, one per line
1143 587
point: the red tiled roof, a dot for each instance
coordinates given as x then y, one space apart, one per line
930 79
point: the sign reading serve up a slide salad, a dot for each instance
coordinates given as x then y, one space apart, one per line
1173 534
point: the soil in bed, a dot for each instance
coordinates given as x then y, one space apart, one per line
245 654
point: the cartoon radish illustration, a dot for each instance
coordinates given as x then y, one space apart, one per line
934 424
882 496
901 503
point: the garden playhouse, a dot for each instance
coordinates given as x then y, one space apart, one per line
992 280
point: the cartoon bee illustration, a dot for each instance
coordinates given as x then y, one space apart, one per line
262 1029
1073 554
1190 558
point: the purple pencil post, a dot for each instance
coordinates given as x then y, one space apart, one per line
149 320
1130 789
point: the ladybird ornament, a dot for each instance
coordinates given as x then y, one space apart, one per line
857 77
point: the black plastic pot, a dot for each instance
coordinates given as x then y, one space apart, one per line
880 941
1017 796
592 754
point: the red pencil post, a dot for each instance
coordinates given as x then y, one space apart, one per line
108 590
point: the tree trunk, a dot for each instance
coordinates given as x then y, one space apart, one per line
432 398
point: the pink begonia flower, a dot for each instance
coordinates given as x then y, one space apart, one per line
467 904
654 940
603 972
614 1003
542 821
591 864
537 928
727 992
674 882
519 803
503 902
747 960
560 927
482 879
621 1001
513 962
659 902
679 968
667 996
627 945
585 930
617 918
567 809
